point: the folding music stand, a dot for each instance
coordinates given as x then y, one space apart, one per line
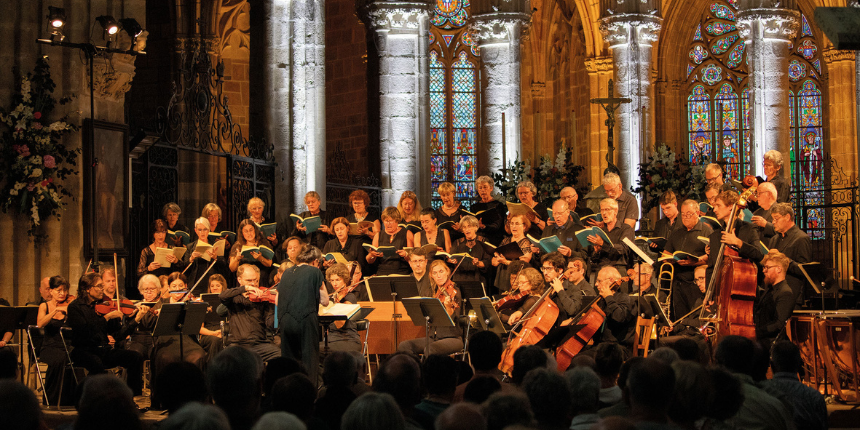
487 315
18 318
326 320
180 319
817 277
471 290
429 312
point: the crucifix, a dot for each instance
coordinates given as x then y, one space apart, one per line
609 104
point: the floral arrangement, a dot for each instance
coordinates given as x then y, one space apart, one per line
33 158
666 171
506 182
551 175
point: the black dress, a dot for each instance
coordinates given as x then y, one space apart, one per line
439 242
467 270
53 354
370 217
503 274
265 271
493 220
441 217
298 300
199 266
351 250
147 256
396 264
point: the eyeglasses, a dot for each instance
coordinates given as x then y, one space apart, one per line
547 269
688 214
700 279
766 268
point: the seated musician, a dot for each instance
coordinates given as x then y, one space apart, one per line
323 234
744 240
391 235
641 277
563 226
141 338
250 321
342 336
211 338
93 348
774 305
431 233
475 268
250 235
568 299
530 282
604 254
761 217
349 246
492 220
689 325
576 282
418 262
795 244
52 318
109 283
517 225
685 238
664 226
200 262
526 192
451 210
620 324
443 340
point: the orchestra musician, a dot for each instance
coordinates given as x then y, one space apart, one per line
767 196
443 340
603 254
418 262
773 173
564 227
686 238
391 235
109 282
359 201
255 214
492 221
343 243
344 338
744 239
171 212
530 282
323 234
517 226
140 339
626 205
527 192
792 242
250 321
147 264
52 318
577 285
567 298
211 337
475 268
430 232
301 290
451 210
198 262
664 226
93 348
250 235
410 208
620 324
775 303
641 276
690 326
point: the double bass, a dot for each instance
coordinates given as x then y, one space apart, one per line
731 292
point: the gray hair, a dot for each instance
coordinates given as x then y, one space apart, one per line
774 156
469 220
485 180
768 187
241 270
197 416
584 387
203 221
279 421
149 278
783 209
715 168
209 208
172 207
611 202
611 179
529 185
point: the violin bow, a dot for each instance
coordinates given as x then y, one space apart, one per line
202 277
87 270
116 279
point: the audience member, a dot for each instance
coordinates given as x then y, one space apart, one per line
235 378
502 410
107 403
485 353
549 396
464 416
279 421
728 398
276 369
694 394
620 409
608 358
479 389
527 358
439 375
665 354
19 408
400 376
339 375
584 385
295 394
179 383
373 411
196 416
614 423
688 349
649 391
759 410
808 405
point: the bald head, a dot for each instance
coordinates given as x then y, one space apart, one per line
45 289
767 195
461 416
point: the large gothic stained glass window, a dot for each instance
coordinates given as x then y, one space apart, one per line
454 81
718 107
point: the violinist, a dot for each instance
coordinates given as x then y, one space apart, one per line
250 321
300 292
430 232
620 324
517 225
451 210
492 221
198 261
418 262
359 201
475 268
530 282
577 285
147 262
210 334
52 318
443 340
255 214
323 234
744 239
93 348
604 254
250 235
566 297
343 338
343 243
110 283
141 338
686 238
391 235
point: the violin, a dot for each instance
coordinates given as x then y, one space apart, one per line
269 295
109 305
447 295
62 307
510 301
338 295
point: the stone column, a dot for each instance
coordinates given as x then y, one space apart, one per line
400 35
599 71
767 32
630 37
498 35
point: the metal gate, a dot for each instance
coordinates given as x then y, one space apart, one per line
247 178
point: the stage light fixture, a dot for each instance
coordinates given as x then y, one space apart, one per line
56 22
109 24
131 26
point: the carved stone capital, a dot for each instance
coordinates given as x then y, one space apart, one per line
112 76
538 90
626 28
835 55
394 15
775 23
501 27
598 65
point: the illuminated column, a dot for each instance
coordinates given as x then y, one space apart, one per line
767 33
400 37
498 28
630 37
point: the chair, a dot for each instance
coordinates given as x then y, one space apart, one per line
40 373
364 325
642 338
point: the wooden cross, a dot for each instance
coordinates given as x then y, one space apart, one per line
609 104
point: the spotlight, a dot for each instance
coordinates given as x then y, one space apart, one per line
56 22
131 26
109 24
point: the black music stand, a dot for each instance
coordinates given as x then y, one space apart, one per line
471 290
325 322
180 319
429 312
18 318
487 315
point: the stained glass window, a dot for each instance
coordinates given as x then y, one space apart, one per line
453 102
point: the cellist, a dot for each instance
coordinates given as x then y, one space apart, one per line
616 304
744 239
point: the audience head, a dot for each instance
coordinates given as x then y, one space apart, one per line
609 357
687 349
400 376
339 369
665 354
279 421
373 411
461 416
527 358
583 360
736 354
179 383
503 410
19 408
480 388
649 388
728 394
485 351
439 374
106 402
584 385
295 394
278 368
624 372
785 357
549 396
694 393
196 416
234 377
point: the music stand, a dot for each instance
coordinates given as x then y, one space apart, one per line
180 319
471 290
326 320
487 315
18 318
659 312
816 276
212 301
427 311
405 288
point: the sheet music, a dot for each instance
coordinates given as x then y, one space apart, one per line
638 251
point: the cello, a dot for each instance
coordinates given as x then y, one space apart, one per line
536 323
731 292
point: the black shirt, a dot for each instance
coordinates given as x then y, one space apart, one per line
317 238
89 329
493 220
783 188
682 239
767 231
248 320
567 235
771 310
620 323
795 244
615 255
441 217
467 270
749 249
